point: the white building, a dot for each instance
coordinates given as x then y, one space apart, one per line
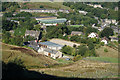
113 21
105 40
49 52
114 39
83 12
44 10
51 45
97 6
93 35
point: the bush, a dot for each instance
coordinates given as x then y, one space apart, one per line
105 50
102 43
68 50
98 46
77 57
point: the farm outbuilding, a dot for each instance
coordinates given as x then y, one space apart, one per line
49 22
49 52
51 45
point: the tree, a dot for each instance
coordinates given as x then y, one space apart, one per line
17 41
5 37
106 32
89 30
90 44
23 14
41 6
82 49
37 27
8 25
68 50
28 38
75 38
19 31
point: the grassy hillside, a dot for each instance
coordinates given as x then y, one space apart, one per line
29 57
48 5
104 66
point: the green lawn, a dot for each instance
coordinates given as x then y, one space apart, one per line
75 25
104 59
48 5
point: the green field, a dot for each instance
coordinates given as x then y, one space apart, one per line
48 5
75 25
104 59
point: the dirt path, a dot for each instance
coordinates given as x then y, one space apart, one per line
79 64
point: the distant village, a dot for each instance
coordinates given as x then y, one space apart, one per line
52 49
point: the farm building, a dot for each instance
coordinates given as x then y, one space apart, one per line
49 52
39 10
50 22
44 10
35 34
105 40
83 12
114 39
51 45
93 35
45 17
76 33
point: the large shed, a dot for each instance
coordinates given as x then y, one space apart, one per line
51 45
49 22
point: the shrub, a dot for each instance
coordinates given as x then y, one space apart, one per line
98 46
77 57
102 43
105 50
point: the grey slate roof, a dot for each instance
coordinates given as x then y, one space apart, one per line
32 33
76 32
50 50
48 43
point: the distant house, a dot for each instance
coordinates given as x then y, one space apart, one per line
44 10
39 10
76 33
116 8
83 12
49 52
15 21
11 31
50 45
105 40
95 5
51 22
45 17
116 29
33 44
35 34
93 35
64 11
114 39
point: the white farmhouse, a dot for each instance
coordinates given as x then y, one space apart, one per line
49 52
97 6
105 40
83 12
93 35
